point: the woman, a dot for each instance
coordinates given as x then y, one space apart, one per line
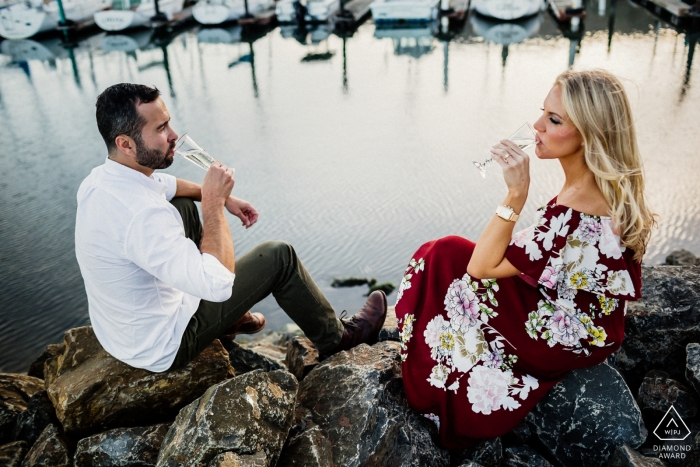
477 353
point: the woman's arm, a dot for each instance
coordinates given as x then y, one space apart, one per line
488 259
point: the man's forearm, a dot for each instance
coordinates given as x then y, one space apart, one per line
216 235
187 189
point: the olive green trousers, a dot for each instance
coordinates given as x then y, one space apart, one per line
269 268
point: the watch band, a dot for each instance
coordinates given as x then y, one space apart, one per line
507 213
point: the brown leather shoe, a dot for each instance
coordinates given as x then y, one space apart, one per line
249 323
364 326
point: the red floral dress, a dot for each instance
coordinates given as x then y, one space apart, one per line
478 354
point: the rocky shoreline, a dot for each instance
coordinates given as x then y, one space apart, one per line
270 402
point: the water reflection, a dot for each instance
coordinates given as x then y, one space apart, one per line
355 180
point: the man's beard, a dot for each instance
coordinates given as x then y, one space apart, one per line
153 158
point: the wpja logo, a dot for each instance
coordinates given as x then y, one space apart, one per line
672 428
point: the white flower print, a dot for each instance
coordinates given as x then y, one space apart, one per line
590 229
415 267
432 332
469 347
619 283
488 390
439 375
566 330
558 226
434 418
405 285
609 243
462 305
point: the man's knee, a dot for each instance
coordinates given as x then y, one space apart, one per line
279 250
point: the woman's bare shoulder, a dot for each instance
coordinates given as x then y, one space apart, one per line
588 200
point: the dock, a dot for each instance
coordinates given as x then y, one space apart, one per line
565 10
180 19
260 19
674 11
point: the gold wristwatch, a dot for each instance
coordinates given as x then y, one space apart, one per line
506 213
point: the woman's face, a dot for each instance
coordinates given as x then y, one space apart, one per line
557 137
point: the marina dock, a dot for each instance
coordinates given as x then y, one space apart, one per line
674 11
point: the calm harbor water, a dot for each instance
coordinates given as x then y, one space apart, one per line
355 150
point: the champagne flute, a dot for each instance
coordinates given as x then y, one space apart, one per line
524 137
187 148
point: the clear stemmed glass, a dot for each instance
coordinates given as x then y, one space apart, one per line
187 148
524 137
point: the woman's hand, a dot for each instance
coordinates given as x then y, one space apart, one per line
516 167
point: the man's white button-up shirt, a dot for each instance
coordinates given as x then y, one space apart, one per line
144 279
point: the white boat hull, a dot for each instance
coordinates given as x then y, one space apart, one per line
22 20
219 36
118 20
384 11
211 12
508 9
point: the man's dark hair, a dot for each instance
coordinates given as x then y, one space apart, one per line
117 112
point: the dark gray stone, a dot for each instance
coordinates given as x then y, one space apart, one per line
586 416
122 447
50 450
36 369
310 448
661 324
658 393
230 459
302 357
488 453
356 401
12 454
523 456
517 436
244 360
15 392
681 258
692 366
250 413
39 414
93 391
625 456
470 464
390 330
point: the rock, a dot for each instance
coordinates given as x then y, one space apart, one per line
390 330
250 413
230 459
681 258
92 391
488 453
470 464
50 450
15 391
658 393
36 369
310 448
386 287
244 360
692 366
12 454
584 417
661 324
302 357
355 400
523 456
39 414
122 447
517 436
625 456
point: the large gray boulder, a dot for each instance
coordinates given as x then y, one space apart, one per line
92 391
244 359
230 459
353 405
625 456
658 393
36 368
15 392
692 366
586 416
682 258
12 454
523 456
488 452
121 447
661 324
245 415
50 450
302 357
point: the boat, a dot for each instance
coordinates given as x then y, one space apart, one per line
317 11
221 11
231 35
134 13
505 33
509 10
404 11
413 40
25 19
126 42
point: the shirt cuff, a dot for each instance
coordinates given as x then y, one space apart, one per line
168 180
222 278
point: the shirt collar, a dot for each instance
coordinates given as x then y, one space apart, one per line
116 169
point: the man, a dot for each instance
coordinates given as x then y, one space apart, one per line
160 283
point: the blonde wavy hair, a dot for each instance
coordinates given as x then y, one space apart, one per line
598 107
